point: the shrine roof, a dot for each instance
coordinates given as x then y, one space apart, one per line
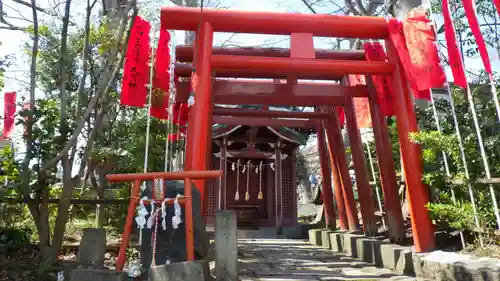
289 134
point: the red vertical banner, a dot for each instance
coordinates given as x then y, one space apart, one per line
421 44
180 113
136 68
162 62
341 116
161 82
396 35
177 136
159 104
361 105
454 57
375 52
470 13
497 5
9 112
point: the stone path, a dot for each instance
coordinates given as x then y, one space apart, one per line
297 260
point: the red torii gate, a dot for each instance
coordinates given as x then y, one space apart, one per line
303 63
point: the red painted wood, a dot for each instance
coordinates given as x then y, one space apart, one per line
386 168
242 86
202 109
184 70
262 121
345 178
189 141
180 18
326 179
185 53
337 182
423 231
302 46
299 66
358 156
246 89
278 100
268 113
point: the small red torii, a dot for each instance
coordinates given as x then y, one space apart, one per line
207 60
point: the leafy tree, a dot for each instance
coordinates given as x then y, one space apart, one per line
76 72
459 214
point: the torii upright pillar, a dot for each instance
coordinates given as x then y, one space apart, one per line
339 160
326 178
358 156
201 121
422 228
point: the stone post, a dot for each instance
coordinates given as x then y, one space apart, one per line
226 246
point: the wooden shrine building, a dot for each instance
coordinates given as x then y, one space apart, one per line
259 174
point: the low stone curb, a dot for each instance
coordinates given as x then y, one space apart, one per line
437 265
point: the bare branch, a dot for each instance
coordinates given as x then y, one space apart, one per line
228 40
93 102
105 104
309 6
8 26
32 5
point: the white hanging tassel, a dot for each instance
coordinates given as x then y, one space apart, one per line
272 166
151 215
191 101
176 219
244 169
164 214
237 194
256 169
140 219
232 167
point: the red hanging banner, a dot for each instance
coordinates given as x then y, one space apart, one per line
161 82
470 13
396 35
421 44
180 113
454 57
136 68
9 112
361 105
497 5
162 62
341 116
177 136
159 105
375 52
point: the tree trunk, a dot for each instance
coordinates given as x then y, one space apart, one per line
40 214
44 231
98 182
400 8
63 209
